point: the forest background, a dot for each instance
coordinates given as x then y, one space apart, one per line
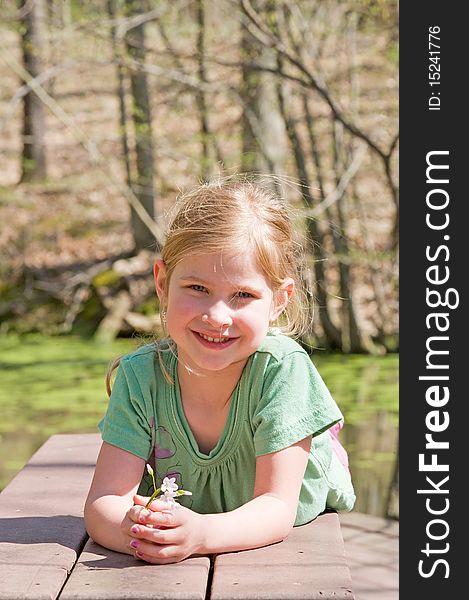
110 108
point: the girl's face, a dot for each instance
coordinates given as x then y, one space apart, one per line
219 307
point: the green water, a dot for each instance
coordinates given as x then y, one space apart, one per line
56 385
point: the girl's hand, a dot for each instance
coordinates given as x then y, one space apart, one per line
161 534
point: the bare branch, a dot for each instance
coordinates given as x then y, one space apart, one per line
345 179
311 80
41 79
393 145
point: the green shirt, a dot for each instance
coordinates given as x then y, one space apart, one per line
279 400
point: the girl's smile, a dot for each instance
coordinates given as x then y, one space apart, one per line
214 341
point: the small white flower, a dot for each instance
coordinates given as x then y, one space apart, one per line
169 485
168 498
167 492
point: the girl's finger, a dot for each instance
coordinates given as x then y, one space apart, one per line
141 500
138 514
156 554
155 505
143 516
163 519
160 506
162 537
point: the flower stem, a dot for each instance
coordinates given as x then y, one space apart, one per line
152 497
155 490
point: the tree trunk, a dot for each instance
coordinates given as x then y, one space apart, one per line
142 184
351 336
33 159
200 96
112 11
263 131
392 501
332 333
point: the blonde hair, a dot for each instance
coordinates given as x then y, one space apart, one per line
231 215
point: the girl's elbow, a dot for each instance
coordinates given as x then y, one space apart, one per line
285 532
88 515
92 518
286 522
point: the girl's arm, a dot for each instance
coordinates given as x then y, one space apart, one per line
116 479
265 519
269 517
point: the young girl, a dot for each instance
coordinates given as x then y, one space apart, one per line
228 406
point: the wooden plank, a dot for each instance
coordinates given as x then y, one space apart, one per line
308 565
106 575
41 525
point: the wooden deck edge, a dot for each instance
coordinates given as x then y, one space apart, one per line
41 517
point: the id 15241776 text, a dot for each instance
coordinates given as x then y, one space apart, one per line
434 71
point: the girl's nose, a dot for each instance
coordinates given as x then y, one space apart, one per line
217 316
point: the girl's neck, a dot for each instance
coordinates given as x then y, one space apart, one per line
212 388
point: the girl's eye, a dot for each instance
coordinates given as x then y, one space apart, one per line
198 288
244 295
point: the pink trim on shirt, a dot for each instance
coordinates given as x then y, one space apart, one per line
340 451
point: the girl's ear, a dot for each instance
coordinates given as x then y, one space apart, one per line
160 275
282 297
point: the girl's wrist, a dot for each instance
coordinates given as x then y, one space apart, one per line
203 529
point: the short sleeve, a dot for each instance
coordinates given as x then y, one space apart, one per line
294 403
126 423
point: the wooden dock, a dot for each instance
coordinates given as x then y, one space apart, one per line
372 553
44 551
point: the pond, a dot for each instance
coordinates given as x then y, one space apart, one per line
56 385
